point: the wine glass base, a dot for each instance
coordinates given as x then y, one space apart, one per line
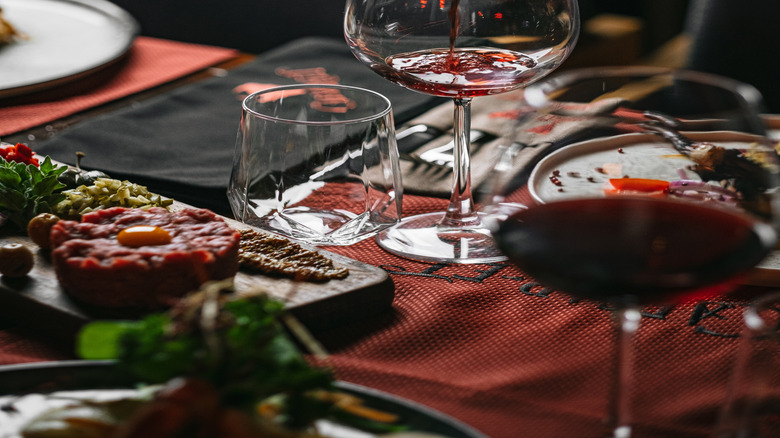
421 238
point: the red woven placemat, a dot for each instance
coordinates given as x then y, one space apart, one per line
490 346
150 62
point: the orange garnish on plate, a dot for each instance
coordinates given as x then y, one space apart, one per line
637 186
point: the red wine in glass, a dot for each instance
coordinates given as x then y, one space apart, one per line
461 73
648 250
465 72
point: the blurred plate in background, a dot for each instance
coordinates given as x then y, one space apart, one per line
63 40
772 125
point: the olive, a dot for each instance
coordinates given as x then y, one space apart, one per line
69 178
74 177
16 260
89 178
39 229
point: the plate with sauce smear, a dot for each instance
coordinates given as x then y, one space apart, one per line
585 169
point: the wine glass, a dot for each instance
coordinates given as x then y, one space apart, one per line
663 189
752 406
458 49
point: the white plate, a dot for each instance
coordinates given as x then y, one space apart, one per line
64 40
584 169
578 166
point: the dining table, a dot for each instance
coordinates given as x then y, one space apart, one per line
485 344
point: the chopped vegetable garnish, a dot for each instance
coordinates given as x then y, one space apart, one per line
106 193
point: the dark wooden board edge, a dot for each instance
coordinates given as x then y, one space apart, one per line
37 301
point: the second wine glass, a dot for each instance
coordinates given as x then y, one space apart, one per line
668 193
459 49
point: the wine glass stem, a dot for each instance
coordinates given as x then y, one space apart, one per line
461 212
627 317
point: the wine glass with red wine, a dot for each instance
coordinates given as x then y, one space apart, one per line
459 49
665 190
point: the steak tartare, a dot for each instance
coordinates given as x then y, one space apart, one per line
96 266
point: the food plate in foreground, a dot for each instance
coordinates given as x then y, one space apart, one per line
94 378
337 289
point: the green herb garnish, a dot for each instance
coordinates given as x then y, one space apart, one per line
27 190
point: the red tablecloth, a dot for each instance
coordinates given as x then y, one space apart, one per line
486 344
149 63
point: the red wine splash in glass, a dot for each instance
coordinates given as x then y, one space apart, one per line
454 17
461 73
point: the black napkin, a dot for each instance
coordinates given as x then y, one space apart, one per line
181 144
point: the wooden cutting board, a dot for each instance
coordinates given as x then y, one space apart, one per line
38 302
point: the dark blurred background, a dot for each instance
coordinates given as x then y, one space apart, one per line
735 38
255 26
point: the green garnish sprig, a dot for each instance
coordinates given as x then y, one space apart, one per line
238 345
27 190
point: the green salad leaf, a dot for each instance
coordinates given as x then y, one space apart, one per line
27 190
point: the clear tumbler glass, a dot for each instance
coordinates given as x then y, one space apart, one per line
317 163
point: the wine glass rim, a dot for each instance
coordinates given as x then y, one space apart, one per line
537 95
384 111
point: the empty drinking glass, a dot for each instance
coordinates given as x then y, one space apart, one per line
317 163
